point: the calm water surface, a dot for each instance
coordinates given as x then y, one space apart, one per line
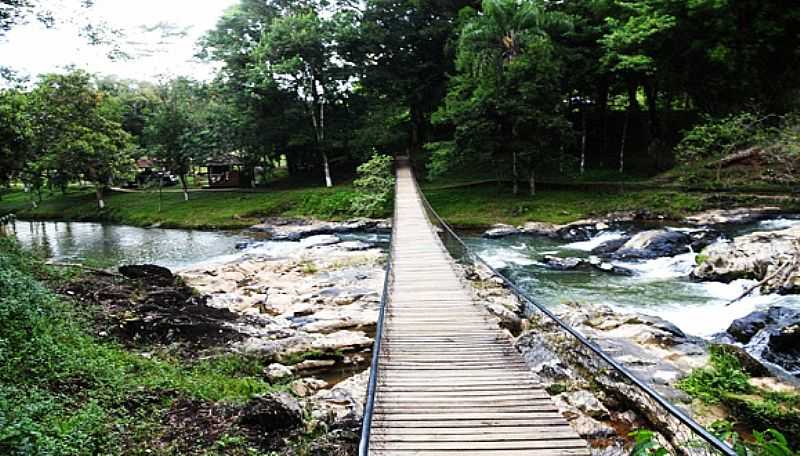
104 245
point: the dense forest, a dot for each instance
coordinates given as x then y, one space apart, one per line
531 88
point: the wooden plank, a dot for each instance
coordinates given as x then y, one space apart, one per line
449 380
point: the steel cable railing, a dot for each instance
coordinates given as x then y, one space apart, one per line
366 425
684 435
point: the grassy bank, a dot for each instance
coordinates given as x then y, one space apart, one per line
204 210
64 392
481 205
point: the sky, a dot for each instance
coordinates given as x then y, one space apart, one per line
160 36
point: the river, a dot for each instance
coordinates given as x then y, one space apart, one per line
659 287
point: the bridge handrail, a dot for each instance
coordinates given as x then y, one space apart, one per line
366 424
695 427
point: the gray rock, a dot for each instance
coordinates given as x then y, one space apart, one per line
500 231
587 403
355 246
732 216
583 264
609 247
275 412
590 428
320 240
654 244
277 371
753 256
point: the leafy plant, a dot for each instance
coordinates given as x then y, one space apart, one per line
717 137
375 186
725 375
646 444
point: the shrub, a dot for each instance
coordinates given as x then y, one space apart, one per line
724 375
375 187
714 138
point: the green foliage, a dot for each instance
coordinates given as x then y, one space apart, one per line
724 375
725 382
646 444
206 210
77 132
715 138
61 392
483 205
767 443
375 186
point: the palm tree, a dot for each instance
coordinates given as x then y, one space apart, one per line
498 36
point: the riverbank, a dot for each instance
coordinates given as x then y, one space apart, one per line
135 361
485 204
204 210
475 206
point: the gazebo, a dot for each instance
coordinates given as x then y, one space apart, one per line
224 171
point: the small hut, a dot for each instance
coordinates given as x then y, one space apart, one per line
224 171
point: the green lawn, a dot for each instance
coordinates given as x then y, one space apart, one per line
482 205
205 210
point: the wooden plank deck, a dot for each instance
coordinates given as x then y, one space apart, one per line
449 382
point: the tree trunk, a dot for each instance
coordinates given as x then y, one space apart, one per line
632 107
651 90
514 172
532 182
583 138
98 191
328 181
622 143
185 187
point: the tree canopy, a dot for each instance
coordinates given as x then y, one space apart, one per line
522 87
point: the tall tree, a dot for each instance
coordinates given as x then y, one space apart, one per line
171 130
78 131
297 50
15 134
505 98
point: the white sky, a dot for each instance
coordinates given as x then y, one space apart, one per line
32 49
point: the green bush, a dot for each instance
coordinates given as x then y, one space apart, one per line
725 382
714 138
724 375
375 187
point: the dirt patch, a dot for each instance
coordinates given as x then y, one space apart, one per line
147 306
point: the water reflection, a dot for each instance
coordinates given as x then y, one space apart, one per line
106 245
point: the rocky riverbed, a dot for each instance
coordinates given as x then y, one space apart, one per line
303 300
755 247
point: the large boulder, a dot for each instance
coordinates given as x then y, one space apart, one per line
583 264
654 244
752 256
783 348
772 335
275 412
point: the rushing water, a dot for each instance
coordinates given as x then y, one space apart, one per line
659 287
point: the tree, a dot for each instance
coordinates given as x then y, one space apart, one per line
77 132
15 134
507 83
171 132
401 52
297 51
